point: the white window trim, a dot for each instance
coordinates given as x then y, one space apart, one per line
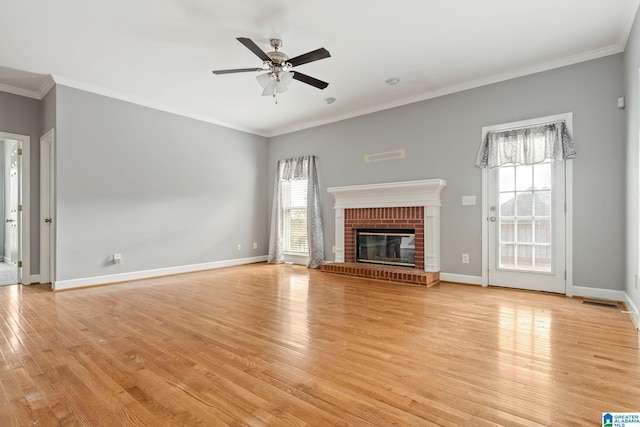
568 119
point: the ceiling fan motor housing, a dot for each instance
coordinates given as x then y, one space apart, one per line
278 57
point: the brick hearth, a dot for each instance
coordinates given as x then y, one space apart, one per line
379 272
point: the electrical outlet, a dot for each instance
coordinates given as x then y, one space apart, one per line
465 258
117 258
255 245
239 247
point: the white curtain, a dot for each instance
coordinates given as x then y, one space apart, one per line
293 169
526 145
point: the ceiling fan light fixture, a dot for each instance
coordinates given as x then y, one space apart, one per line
284 78
263 79
274 82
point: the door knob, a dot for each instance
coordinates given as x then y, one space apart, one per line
492 219
9 220
47 220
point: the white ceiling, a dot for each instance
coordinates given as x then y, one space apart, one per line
160 53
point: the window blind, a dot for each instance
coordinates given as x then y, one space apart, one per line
295 213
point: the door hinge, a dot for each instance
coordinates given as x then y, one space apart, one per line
565 207
19 208
565 275
19 151
19 264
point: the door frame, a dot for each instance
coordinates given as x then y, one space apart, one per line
47 207
24 245
568 197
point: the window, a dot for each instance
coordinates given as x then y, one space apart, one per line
525 217
292 216
294 194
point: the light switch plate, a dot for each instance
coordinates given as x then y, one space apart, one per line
468 200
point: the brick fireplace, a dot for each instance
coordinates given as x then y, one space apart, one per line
383 219
399 205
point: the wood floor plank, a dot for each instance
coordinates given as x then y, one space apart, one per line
284 345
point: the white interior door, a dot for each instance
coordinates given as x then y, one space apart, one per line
526 226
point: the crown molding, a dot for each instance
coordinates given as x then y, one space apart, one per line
18 91
42 91
99 90
627 25
46 86
619 47
497 78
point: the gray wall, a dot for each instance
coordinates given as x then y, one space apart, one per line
632 95
21 115
160 189
442 135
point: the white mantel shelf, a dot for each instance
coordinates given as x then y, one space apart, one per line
425 193
393 194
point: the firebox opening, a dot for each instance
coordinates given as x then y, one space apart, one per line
386 246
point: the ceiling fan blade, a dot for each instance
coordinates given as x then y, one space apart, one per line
310 57
249 44
310 80
236 70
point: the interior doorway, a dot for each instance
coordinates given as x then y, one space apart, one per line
14 209
10 213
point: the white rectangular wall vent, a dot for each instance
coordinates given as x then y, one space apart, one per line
387 155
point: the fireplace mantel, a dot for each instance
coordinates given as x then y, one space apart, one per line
393 194
425 194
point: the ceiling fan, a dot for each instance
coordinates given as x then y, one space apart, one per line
278 67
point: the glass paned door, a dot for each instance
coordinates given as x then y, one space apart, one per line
524 220
526 226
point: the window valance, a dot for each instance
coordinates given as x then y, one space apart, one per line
295 168
526 145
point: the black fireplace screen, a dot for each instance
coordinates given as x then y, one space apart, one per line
392 247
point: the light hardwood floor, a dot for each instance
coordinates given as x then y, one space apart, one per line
284 345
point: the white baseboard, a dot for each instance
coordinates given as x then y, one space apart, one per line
147 274
296 259
461 278
34 278
633 310
582 291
